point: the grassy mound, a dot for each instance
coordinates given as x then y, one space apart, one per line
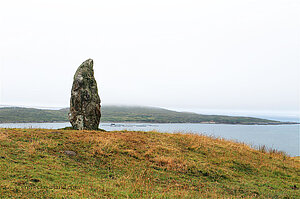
40 163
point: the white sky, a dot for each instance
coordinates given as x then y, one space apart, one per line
221 55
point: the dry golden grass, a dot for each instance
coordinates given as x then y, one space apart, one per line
128 164
3 136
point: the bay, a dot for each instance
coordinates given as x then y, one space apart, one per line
281 137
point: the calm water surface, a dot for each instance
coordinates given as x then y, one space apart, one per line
281 137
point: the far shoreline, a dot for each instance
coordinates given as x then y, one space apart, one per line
145 122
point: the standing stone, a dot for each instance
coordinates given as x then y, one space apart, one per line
85 102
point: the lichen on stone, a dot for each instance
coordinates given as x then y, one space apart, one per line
85 102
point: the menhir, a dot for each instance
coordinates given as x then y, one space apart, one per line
85 102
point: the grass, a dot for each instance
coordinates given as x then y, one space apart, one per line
126 164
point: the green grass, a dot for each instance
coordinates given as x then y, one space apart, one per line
125 114
127 164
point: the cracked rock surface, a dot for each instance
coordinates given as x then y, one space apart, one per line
85 102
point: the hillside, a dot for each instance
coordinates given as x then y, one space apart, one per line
17 114
125 114
37 163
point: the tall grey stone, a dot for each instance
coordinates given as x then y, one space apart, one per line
85 102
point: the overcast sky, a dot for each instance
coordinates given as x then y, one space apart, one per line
187 55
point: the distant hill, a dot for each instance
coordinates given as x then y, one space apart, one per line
18 114
125 114
159 115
